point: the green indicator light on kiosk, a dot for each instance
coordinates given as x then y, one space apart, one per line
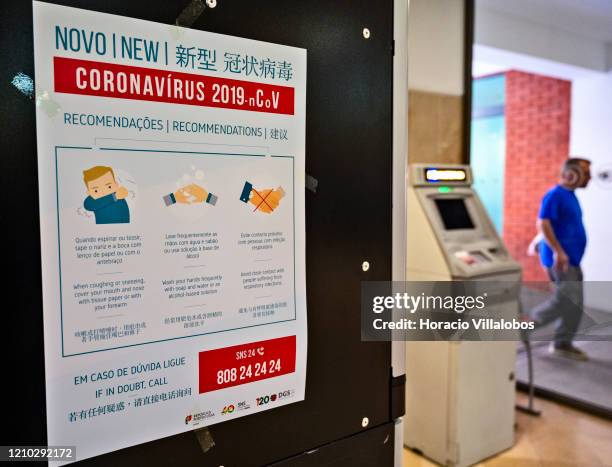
445 189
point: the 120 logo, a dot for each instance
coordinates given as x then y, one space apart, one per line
267 399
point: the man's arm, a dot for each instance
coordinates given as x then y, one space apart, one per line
561 260
94 204
532 249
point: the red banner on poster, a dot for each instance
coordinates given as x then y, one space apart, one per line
241 364
102 79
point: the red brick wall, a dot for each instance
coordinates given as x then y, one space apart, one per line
537 114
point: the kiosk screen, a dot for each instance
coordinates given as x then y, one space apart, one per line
454 214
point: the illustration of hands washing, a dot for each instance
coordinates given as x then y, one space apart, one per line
190 194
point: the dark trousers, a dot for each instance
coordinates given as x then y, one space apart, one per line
565 305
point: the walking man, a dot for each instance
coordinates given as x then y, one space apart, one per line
561 250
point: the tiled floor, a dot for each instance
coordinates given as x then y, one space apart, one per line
560 437
590 381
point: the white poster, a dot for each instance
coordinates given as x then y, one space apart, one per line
171 175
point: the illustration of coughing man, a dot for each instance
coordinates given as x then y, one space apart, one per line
106 197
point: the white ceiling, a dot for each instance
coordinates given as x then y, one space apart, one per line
489 60
588 18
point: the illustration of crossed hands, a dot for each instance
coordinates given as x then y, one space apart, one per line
265 200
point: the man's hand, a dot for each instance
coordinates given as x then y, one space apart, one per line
532 249
560 260
121 193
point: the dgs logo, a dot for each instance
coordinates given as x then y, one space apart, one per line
286 393
228 409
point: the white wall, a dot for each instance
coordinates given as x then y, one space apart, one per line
435 46
591 137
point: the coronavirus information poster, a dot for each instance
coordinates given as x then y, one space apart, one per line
171 176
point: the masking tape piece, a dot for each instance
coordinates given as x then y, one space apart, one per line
24 84
190 14
311 183
48 105
204 438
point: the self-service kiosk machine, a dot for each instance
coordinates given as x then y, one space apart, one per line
459 395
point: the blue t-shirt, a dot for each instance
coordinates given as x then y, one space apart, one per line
561 207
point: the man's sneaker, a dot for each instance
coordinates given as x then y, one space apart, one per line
568 351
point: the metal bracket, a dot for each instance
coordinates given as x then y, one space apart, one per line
398 396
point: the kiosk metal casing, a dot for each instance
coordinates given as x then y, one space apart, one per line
459 395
